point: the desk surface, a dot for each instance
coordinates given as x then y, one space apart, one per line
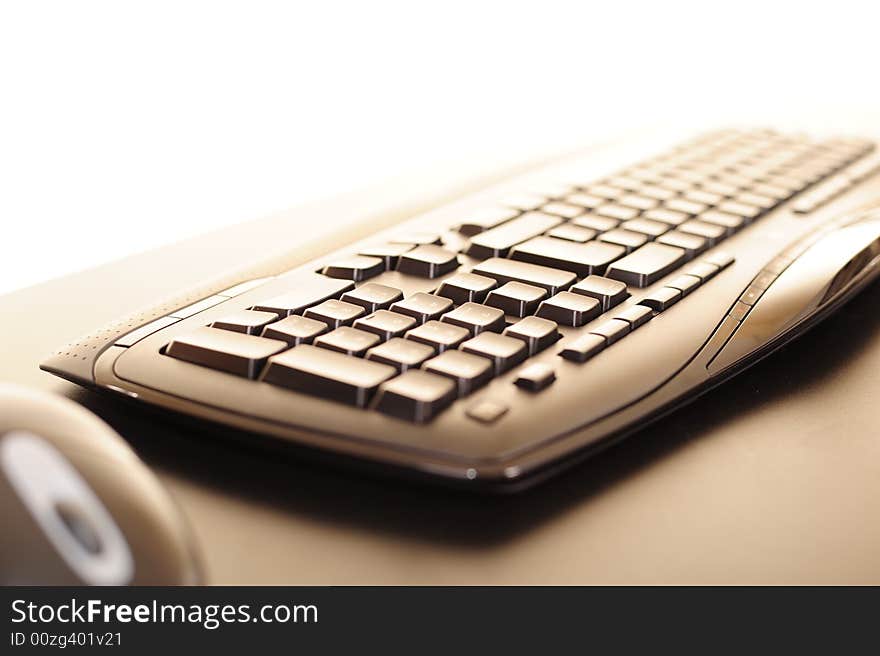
772 478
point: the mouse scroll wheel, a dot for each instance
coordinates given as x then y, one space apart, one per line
79 525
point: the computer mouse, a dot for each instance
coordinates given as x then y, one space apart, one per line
78 506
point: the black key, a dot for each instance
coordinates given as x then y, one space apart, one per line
504 352
693 245
335 313
649 228
373 296
711 232
636 315
388 253
295 330
597 223
309 290
553 280
537 333
661 299
516 298
629 240
612 330
535 377
583 348
250 322
565 210
608 292
572 233
356 267
400 353
570 309
684 283
423 307
386 324
427 261
468 371
325 373
243 355
416 396
439 336
617 212
498 241
487 218
350 341
670 217
647 265
582 259
730 222
476 318
466 288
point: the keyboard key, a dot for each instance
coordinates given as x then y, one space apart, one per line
487 411
516 298
740 209
502 270
416 396
524 202
504 352
661 299
756 200
685 206
400 353
469 372
466 288
565 210
582 259
295 330
535 377
243 355
373 296
250 322
586 201
335 313
702 270
636 315
629 240
637 202
569 309
497 242
670 217
657 193
572 233
720 259
730 222
356 267
388 253
537 333
647 265
427 261
703 196
439 336
692 245
386 324
325 373
626 183
652 229
309 290
711 232
476 318
423 307
720 188
617 212
606 191
594 222
487 218
350 341
583 348
608 292
612 330
684 283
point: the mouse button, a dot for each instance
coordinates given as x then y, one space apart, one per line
79 525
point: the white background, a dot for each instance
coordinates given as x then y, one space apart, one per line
124 126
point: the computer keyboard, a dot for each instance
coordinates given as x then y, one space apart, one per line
495 340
